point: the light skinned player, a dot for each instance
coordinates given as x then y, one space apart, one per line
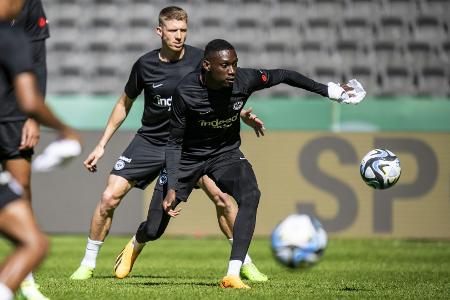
156 73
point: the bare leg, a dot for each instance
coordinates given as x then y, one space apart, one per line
20 169
116 189
226 209
18 224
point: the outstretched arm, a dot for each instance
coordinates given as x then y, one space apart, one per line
348 93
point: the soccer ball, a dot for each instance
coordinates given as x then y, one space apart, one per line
298 241
380 169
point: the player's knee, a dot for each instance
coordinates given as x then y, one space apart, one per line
37 243
152 234
109 202
251 199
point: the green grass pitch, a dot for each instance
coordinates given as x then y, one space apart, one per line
188 268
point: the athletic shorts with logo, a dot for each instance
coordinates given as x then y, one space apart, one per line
191 170
141 162
10 139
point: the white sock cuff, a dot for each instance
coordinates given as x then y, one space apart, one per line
98 243
230 241
234 267
5 292
29 277
247 259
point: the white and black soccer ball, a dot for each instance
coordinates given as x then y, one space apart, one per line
380 169
298 241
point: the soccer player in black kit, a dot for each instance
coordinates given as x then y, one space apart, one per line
156 73
17 222
205 137
19 132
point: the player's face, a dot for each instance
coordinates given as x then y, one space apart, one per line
173 34
222 66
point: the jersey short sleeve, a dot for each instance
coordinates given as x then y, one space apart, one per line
135 84
33 20
15 54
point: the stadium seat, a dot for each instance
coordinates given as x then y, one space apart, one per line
428 29
295 10
321 30
283 31
422 54
249 9
433 82
397 81
349 53
445 49
438 8
312 53
367 9
392 29
325 74
356 29
330 9
388 54
405 9
245 29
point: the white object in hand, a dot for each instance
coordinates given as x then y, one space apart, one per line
56 154
337 93
357 94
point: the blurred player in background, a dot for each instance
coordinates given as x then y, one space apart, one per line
205 137
20 132
17 222
156 73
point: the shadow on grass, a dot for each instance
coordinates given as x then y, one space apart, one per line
352 289
171 283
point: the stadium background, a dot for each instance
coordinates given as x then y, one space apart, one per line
308 161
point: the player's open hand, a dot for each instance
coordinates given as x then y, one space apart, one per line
30 135
168 204
253 121
91 161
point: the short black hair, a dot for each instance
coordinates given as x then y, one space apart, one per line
217 45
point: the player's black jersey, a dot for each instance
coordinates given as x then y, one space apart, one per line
158 80
15 58
33 20
207 122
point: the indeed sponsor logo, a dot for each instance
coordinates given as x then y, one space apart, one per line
163 101
128 160
219 123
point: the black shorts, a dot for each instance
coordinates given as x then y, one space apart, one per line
141 162
10 190
191 170
10 138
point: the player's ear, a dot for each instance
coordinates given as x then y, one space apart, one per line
158 31
206 65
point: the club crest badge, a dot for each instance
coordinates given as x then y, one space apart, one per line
120 164
163 177
238 105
